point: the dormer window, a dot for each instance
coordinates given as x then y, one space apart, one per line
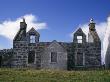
32 38
79 39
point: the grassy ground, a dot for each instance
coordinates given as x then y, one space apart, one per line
26 75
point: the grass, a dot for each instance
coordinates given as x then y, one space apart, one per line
32 75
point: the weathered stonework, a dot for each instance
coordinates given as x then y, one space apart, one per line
29 52
61 62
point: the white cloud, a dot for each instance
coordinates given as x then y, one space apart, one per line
102 32
9 28
106 36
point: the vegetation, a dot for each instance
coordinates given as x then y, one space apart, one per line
32 75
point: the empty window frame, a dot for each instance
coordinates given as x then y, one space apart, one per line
31 57
79 59
53 56
32 38
79 39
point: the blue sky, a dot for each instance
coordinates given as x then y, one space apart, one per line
61 16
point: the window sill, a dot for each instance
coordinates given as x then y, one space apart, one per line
53 62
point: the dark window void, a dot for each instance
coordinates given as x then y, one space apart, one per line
32 38
0 61
53 56
79 59
31 56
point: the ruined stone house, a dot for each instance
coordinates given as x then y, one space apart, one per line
29 52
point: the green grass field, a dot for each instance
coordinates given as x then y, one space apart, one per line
32 75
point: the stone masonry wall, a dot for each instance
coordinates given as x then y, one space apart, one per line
20 55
